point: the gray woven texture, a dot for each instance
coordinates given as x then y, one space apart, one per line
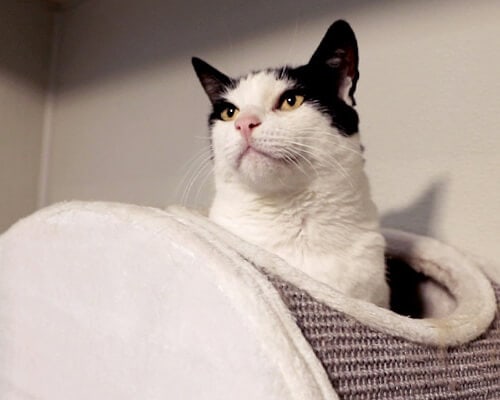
363 363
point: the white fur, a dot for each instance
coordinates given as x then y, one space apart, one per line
344 90
314 211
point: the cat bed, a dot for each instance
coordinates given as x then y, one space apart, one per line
113 301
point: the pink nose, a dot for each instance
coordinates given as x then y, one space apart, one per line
245 124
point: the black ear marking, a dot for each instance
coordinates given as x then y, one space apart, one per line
213 81
339 50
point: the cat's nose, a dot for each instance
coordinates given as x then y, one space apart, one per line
246 123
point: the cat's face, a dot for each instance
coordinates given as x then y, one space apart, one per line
275 130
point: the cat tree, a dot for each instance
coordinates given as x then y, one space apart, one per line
108 301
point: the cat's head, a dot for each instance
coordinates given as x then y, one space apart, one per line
277 129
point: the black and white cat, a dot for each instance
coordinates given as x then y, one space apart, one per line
288 166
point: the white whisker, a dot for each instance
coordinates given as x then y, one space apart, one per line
194 177
208 173
190 166
307 149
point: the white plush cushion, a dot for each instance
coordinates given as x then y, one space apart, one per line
113 301
107 301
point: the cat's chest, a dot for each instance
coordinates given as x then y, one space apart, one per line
292 234
332 250
327 252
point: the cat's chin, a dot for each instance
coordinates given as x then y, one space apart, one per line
265 174
254 157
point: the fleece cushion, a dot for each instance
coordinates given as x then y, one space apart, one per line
109 301
103 300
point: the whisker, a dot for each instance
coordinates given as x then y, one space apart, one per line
309 138
208 173
322 161
194 178
290 157
191 166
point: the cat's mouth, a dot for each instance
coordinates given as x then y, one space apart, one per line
250 150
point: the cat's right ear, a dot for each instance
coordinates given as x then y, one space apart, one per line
213 81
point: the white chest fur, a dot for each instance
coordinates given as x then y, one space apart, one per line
330 233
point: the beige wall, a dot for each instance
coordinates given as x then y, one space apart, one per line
24 55
129 113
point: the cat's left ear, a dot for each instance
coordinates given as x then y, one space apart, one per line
339 50
213 81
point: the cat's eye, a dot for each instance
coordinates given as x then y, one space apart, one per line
291 102
229 113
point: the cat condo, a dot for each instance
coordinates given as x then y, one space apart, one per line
110 301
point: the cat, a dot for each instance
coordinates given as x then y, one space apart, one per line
289 169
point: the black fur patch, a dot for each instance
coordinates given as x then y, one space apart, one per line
214 82
217 107
319 85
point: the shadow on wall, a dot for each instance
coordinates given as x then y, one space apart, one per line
420 216
25 41
407 285
129 36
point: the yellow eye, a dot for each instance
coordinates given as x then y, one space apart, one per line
229 113
291 102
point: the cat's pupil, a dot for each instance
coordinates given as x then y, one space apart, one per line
230 112
291 100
